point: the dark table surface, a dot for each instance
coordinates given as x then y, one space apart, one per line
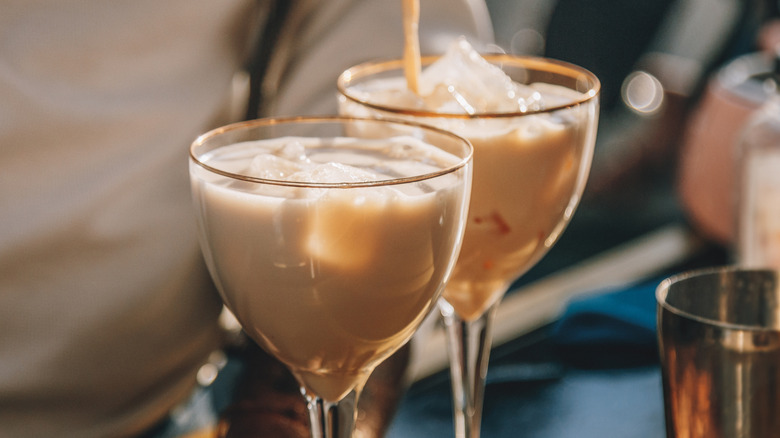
528 396
594 372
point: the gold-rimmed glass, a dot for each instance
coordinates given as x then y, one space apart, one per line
330 271
530 169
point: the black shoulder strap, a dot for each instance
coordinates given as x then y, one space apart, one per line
257 65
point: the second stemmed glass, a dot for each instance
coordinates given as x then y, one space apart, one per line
330 239
530 168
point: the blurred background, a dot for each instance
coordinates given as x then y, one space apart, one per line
679 79
655 59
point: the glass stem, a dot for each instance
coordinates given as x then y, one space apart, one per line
332 419
469 349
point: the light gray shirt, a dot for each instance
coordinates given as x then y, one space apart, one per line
106 310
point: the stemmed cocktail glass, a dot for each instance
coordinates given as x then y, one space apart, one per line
531 161
330 239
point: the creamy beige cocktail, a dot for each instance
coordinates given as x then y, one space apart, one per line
325 254
532 153
532 122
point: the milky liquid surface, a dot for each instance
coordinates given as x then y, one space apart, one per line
528 170
329 280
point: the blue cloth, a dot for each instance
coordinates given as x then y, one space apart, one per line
618 325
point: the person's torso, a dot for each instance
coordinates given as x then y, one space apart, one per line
104 301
